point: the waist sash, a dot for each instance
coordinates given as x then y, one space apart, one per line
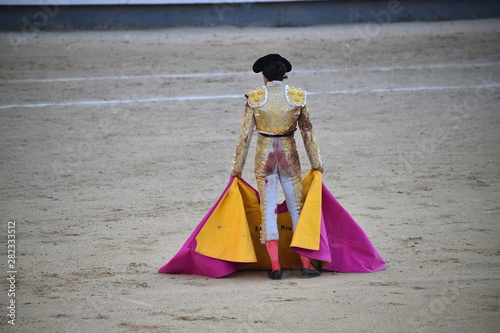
280 135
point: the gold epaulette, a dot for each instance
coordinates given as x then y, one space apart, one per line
257 97
296 96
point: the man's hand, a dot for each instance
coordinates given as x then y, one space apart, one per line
235 174
320 169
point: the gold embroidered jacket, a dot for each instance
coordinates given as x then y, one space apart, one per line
276 109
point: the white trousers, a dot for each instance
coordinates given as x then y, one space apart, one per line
273 176
271 203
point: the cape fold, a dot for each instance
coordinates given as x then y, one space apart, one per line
225 235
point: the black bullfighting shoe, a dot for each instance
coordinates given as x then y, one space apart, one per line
309 273
275 275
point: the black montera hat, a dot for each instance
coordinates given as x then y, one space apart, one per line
261 62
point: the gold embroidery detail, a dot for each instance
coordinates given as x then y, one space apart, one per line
246 131
277 115
257 97
296 96
309 138
276 109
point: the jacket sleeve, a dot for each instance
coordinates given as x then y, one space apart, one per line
309 138
247 125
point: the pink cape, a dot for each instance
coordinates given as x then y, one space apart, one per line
343 245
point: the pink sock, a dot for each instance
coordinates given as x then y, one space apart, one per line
272 249
306 263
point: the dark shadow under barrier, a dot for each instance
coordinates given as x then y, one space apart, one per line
267 14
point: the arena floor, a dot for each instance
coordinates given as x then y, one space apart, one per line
115 144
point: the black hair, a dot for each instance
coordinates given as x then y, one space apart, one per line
275 71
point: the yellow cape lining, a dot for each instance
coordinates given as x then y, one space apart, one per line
232 232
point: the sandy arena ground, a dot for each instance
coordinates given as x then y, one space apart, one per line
108 162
